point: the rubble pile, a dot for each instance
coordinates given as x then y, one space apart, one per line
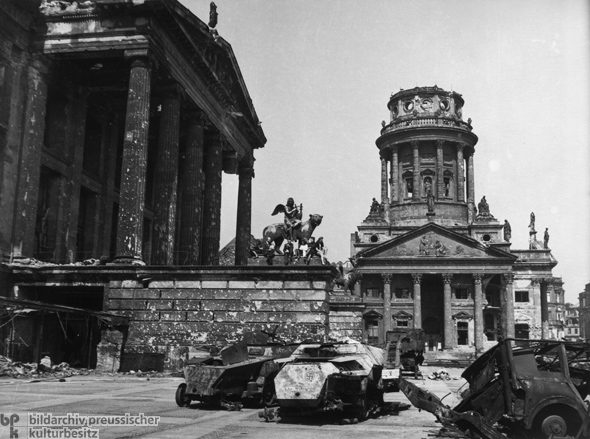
441 375
17 369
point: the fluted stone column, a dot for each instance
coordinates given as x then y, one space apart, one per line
508 329
545 333
394 175
192 183
450 333
384 199
460 173
416 170
212 203
244 220
417 279
386 305
440 181
23 244
470 178
132 192
478 313
166 180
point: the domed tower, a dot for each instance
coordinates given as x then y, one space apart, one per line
427 161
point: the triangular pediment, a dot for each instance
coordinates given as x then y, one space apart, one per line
434 241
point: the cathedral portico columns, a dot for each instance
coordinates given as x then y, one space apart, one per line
212 203
545 333
448 312
384 199
416 170
244 219
394 195
386 305
508 320
417 279
460 173
192 183
478 312
440 181
166 179
133 173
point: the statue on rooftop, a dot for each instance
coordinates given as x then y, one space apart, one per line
546 239
507 231
532 223
375 206
292 228
212 15
483 206
292 216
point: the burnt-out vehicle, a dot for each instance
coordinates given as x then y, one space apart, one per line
242 373
331 377
520 388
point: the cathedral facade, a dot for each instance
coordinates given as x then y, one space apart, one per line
428 255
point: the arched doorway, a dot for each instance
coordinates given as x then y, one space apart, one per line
432 310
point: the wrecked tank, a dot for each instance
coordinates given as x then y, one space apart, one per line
242 373
519 388
331 377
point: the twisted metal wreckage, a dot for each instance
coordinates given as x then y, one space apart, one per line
535 389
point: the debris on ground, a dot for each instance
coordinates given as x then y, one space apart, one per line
45 369
440 374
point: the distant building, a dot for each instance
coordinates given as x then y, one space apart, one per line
572 322
584 312
429 254
556 309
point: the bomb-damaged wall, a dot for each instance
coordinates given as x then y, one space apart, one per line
346 316
188 313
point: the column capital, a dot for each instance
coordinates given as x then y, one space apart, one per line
415 144
139 57
461 146
547 280
386 278
477 277
246 171
439 143
447 278
535 282
508 277
416 278
394 148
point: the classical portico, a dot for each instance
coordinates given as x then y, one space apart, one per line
442 281
159 113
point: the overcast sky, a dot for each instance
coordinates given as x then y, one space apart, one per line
321 73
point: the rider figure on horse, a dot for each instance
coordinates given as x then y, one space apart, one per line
292 217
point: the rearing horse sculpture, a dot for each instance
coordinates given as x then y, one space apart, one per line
278 232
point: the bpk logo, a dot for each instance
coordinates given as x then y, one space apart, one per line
11 420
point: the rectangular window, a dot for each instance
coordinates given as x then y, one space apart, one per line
402 323
402 293
462 293
521 296
372 328
521 330
374 293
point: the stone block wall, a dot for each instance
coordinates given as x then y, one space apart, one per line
346 316
176 313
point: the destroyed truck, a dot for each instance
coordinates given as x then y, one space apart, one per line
520 388
242 373
326 377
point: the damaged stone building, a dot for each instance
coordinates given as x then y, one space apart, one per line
429 255
118 119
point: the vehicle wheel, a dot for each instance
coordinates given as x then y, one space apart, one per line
553 425
269 396
361 410
182 399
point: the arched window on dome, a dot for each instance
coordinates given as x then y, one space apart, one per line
408 186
